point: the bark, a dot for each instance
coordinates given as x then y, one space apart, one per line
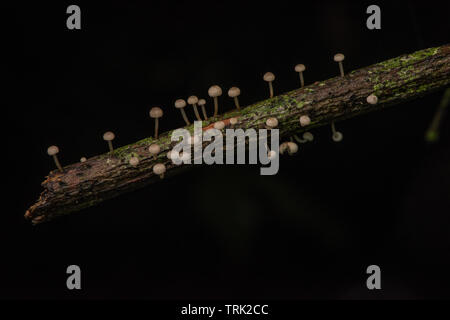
394 81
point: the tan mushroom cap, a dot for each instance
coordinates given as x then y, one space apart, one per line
339 57
83 159
234 92
180 103
154 149
156 112
134 161
219 125
300 68
293 147
214 91
52 150
159 168
109 136
201 102
372 99
233 120
192 99
269 76
272 122
304 120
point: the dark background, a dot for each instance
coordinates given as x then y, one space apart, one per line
379 197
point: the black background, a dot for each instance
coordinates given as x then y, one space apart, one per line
223 232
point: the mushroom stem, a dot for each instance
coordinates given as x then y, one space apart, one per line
216 106
156 127
302 81
185 117
197 115
58 165
236 102
341 68
111 149
336 136
271 89
204 112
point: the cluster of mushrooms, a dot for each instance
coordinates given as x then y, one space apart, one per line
214 92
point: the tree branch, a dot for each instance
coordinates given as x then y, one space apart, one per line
394 81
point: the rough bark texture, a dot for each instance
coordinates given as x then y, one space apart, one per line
394 81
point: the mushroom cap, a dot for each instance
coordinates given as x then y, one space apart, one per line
304 120
52 150
233 120
234 92
308 136
339 57
269 76
109 136
192 100
271 154
154 149
159 168
180 103
272 122
337 136
219 125
83 159
156 112
283 147
292 147
201 102
134 161
300 68
372 99
214 91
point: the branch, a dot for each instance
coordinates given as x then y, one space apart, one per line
102 177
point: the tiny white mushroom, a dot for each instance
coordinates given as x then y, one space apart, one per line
53 151
156 113
339 57
215 92
154 149
181 104
271 154
269 77
219 125
159 169
109 137
234 92
271 123
336 135
194 100
134 161
202 103
300 68
83 159
292 147
233 121
305 121
372 99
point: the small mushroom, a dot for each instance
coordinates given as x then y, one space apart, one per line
156 113
233 121
219 125
271 154
300 68
134 161
83 159
202 103
193 100
305 121
109 137
234 92
290 147
154 149
53 151
214 92
336 136
372 99
271 123
269 77
339 57
159 169
307 137
181 104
